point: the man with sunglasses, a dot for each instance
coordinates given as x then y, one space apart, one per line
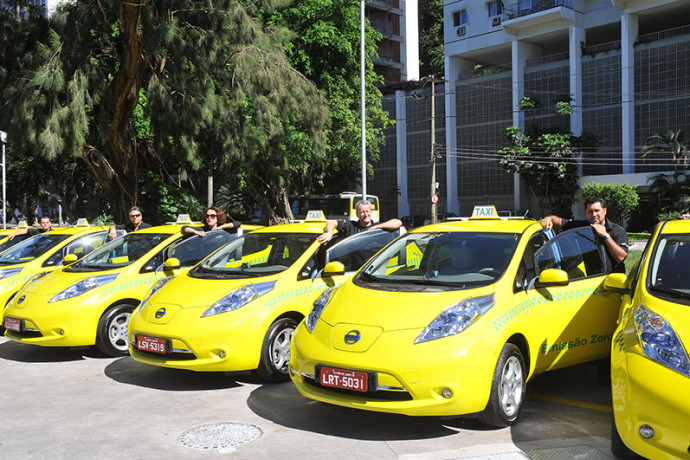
136 222
214 219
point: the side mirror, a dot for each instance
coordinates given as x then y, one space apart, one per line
69 259
617 282
552 277
333 269
172 263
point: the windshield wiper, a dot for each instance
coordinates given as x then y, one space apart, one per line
672 292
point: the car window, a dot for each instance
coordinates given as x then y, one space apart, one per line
120 252
527 271
79 247
352 252
190 251
575 252
255 254
453 260
669 266
31 248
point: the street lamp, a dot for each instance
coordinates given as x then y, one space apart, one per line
3 139
362 91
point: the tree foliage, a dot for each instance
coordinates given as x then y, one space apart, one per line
675 143
326 49
431 51
621 199
170 85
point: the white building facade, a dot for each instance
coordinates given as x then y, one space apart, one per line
623 64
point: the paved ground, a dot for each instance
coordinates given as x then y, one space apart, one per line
62 403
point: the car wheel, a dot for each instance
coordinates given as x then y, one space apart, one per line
111 337
507 389
275 352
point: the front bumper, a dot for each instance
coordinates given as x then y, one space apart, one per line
228 342
647 393
411 378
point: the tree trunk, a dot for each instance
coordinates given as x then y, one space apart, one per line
275 207
117 174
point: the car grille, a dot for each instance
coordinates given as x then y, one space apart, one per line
168 356
24 334
379 395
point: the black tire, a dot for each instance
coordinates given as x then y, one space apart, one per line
275 352
508 389
111 337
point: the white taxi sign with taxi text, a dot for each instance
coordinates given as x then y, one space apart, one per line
484 212
316 215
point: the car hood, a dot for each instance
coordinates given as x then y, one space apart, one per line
187 292
390 311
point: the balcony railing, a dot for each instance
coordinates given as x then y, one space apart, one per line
527 7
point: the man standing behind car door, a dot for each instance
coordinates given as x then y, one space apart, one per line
46 226
612 237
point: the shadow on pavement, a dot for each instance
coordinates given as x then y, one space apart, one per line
26 353
283 405
128 371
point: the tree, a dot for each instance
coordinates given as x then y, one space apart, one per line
671 194
217 88
326 49
621 199
431 51
674 142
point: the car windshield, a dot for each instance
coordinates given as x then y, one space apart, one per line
31 248
120 252
5 245
191 251
445 261
669 269
254 255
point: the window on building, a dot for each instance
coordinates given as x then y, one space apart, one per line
460 18
495 8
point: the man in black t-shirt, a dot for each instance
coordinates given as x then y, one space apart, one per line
136 222
46 226
347 227
612 236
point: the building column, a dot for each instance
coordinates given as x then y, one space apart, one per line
401 152
576 36
629 32
520 52
454 66
409 49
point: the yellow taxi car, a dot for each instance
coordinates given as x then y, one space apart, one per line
90 302
43 253
650 369
454 318
236 310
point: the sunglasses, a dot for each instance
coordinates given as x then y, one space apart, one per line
211 215
134 215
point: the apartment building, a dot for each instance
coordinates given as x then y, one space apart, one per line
397 20
623 64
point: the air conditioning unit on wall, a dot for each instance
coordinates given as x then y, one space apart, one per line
461 31
496 21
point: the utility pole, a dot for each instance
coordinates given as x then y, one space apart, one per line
434 196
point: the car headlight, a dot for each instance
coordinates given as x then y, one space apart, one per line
239 298
659 341
456 318
156 286
7 272
92 282
317 309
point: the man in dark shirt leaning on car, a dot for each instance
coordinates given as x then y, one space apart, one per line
612 236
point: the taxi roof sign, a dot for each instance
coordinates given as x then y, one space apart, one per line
22 224
315 215
484 212
183 219
82 222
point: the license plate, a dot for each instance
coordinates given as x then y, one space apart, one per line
152 344
345 379
12 324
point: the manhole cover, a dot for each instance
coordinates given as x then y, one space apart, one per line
224 437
